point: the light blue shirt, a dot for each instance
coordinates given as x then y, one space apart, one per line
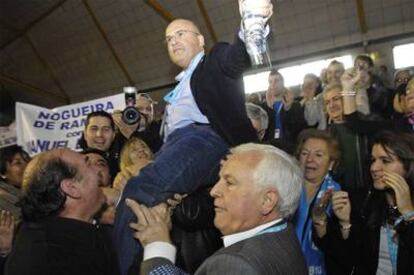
183 110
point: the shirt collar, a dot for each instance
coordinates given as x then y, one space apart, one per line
241 236
194 62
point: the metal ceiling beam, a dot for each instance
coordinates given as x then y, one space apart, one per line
361 16
207 21
160 10
108 43
32 24
47 67
27 88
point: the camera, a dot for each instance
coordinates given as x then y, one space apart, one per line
130 115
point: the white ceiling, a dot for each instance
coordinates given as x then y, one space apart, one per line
53 56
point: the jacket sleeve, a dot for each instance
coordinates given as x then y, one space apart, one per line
195 212
337 251
160 266
294 120
227 264
233 58
367 127
362 102
406 238
2 262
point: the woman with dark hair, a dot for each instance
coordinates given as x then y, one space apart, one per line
13 161
383 234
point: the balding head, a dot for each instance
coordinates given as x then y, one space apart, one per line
182 23
41 185
37 166
63 183
184 41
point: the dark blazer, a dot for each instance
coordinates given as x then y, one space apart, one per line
217 87
61 246
269 253
293 122
365 235
371 127
193 230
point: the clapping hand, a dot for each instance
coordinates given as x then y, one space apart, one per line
318 211
6 231
341 207
349 78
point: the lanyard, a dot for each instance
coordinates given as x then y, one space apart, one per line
273 229
183 76
392 249
278 105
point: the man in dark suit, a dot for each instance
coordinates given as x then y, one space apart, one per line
62 194
259 188
205 114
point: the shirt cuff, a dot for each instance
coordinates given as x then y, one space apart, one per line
161 250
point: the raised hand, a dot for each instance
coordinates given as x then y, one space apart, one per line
341 206
288 99
6 231
401 190
318 210
125 129
349 78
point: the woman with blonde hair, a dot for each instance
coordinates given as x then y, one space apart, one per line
134 156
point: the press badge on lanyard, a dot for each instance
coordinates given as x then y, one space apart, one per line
277 133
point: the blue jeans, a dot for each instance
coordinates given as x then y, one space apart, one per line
188 160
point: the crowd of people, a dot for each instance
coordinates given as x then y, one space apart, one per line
322 183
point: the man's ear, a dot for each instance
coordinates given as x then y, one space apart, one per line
70 188
270 201
201 40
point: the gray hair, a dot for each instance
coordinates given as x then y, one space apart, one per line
279 170
256 112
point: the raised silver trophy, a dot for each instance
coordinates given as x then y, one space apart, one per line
254 26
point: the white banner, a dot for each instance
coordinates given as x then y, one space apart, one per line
8 135
40 129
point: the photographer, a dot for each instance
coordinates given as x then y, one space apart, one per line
142 124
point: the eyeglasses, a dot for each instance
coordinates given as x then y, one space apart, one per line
178 35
